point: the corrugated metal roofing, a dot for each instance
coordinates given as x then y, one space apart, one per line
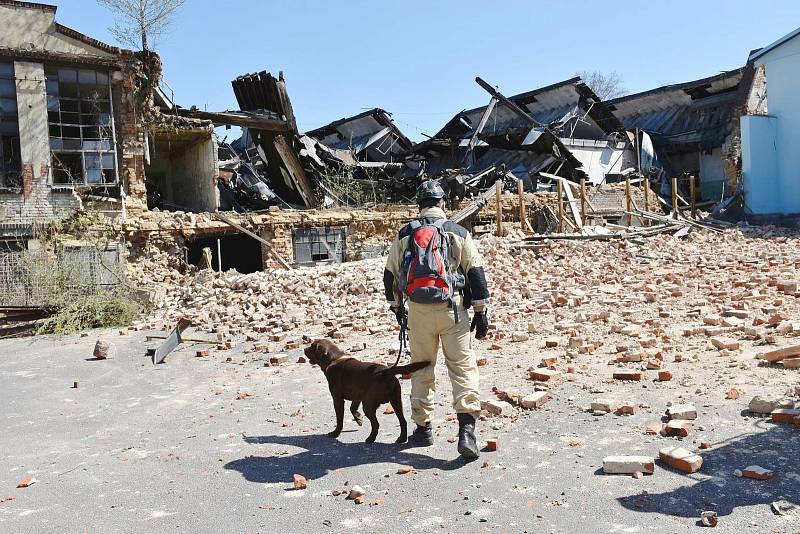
692 112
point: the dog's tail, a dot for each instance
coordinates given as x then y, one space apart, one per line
410 368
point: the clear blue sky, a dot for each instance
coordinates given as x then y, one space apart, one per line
418 59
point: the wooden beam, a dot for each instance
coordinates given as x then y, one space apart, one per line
583 201
499 207
471 208
674 197
238 118
255 236
560 206
523 219
628 206
692 196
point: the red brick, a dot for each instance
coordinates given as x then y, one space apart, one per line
784 416
628 375
665 376
544 375
757 472
681 459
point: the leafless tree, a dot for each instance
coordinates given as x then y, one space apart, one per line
606 85
141 21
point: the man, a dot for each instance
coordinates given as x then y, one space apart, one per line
434 263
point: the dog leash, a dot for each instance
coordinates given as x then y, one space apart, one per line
402 336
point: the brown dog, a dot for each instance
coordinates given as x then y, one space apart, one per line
370 384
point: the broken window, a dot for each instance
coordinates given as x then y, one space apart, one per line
81 123
10 162
318 244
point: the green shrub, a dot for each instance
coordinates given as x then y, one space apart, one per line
106 308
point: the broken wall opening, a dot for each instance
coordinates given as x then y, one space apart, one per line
236 251
182 173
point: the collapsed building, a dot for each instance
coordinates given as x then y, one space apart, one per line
86 127
80 130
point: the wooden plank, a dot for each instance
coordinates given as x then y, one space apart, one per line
572 202
255 236
472 208
295 170
560 199
499 206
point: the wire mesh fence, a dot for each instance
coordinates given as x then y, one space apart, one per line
34 278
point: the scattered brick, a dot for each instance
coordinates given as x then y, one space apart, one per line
757 472
625 409
681 459
682 411
677 428
733 394
544 375
653 429
278 359
709 519
665 376
534 400
300 482
784 415
628 375
628 465
496 407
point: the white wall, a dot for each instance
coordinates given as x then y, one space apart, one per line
601 158
782 66
34 29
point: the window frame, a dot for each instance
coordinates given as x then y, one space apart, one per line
12 140
82 122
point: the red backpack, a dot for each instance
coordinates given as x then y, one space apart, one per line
425 272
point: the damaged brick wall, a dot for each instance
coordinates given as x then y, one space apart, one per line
138 76
368 232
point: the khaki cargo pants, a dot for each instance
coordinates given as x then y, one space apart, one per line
427 325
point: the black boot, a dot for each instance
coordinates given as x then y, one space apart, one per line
467 447
422 436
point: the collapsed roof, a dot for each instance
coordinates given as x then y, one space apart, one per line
371 136
697 112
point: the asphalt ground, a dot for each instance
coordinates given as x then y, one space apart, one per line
210 445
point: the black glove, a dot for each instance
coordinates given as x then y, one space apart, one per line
401 314
480 324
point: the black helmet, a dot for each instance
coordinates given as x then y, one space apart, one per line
429 193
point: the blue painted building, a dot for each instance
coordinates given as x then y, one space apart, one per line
771 134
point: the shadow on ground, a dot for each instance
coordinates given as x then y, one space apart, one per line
774 448
324 454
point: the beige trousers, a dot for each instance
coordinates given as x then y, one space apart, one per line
427 325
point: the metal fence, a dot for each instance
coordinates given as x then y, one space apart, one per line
33 278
